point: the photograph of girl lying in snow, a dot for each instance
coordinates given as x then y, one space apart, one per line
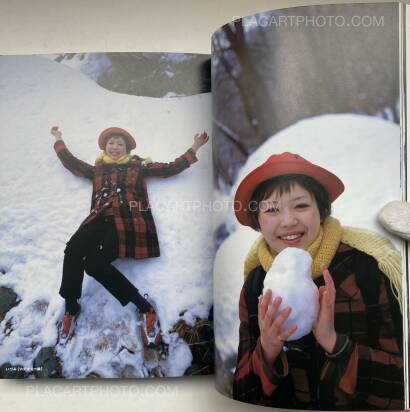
44 207
307 161
327 321
120 224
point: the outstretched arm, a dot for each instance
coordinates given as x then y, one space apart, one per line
74 165
179 164
199 140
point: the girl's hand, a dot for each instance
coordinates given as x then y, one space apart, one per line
56 133
199 140
324 329
272 336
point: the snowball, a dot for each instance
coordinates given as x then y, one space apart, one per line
290 277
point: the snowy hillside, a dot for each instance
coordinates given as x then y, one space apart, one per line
91 64
42 205
363 151
143 74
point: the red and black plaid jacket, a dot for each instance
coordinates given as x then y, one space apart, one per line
363 377
120 190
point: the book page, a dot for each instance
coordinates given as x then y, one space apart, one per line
134 250
307 108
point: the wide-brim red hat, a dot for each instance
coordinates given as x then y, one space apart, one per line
278 165
115 131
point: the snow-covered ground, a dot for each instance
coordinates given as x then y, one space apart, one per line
42 204
363 151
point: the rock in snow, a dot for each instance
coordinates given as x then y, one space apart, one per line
395 216
8 299
46 364
290 277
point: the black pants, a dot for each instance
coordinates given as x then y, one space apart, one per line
92 248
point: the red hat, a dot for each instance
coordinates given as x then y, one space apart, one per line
107 133
277 165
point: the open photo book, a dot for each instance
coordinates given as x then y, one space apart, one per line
240 214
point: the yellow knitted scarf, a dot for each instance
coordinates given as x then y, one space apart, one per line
103 157
324 247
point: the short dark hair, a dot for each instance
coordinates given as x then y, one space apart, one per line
283 184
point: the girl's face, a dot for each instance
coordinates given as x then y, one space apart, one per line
292 219
115 147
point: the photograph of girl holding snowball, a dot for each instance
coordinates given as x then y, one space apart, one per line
349 349
120 224
308 283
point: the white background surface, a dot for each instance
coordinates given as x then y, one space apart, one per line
50 26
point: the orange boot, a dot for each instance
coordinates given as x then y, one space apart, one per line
150 329
67 326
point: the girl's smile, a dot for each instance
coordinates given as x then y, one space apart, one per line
291 220
116 147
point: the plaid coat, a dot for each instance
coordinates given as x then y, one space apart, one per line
120 190
363 377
